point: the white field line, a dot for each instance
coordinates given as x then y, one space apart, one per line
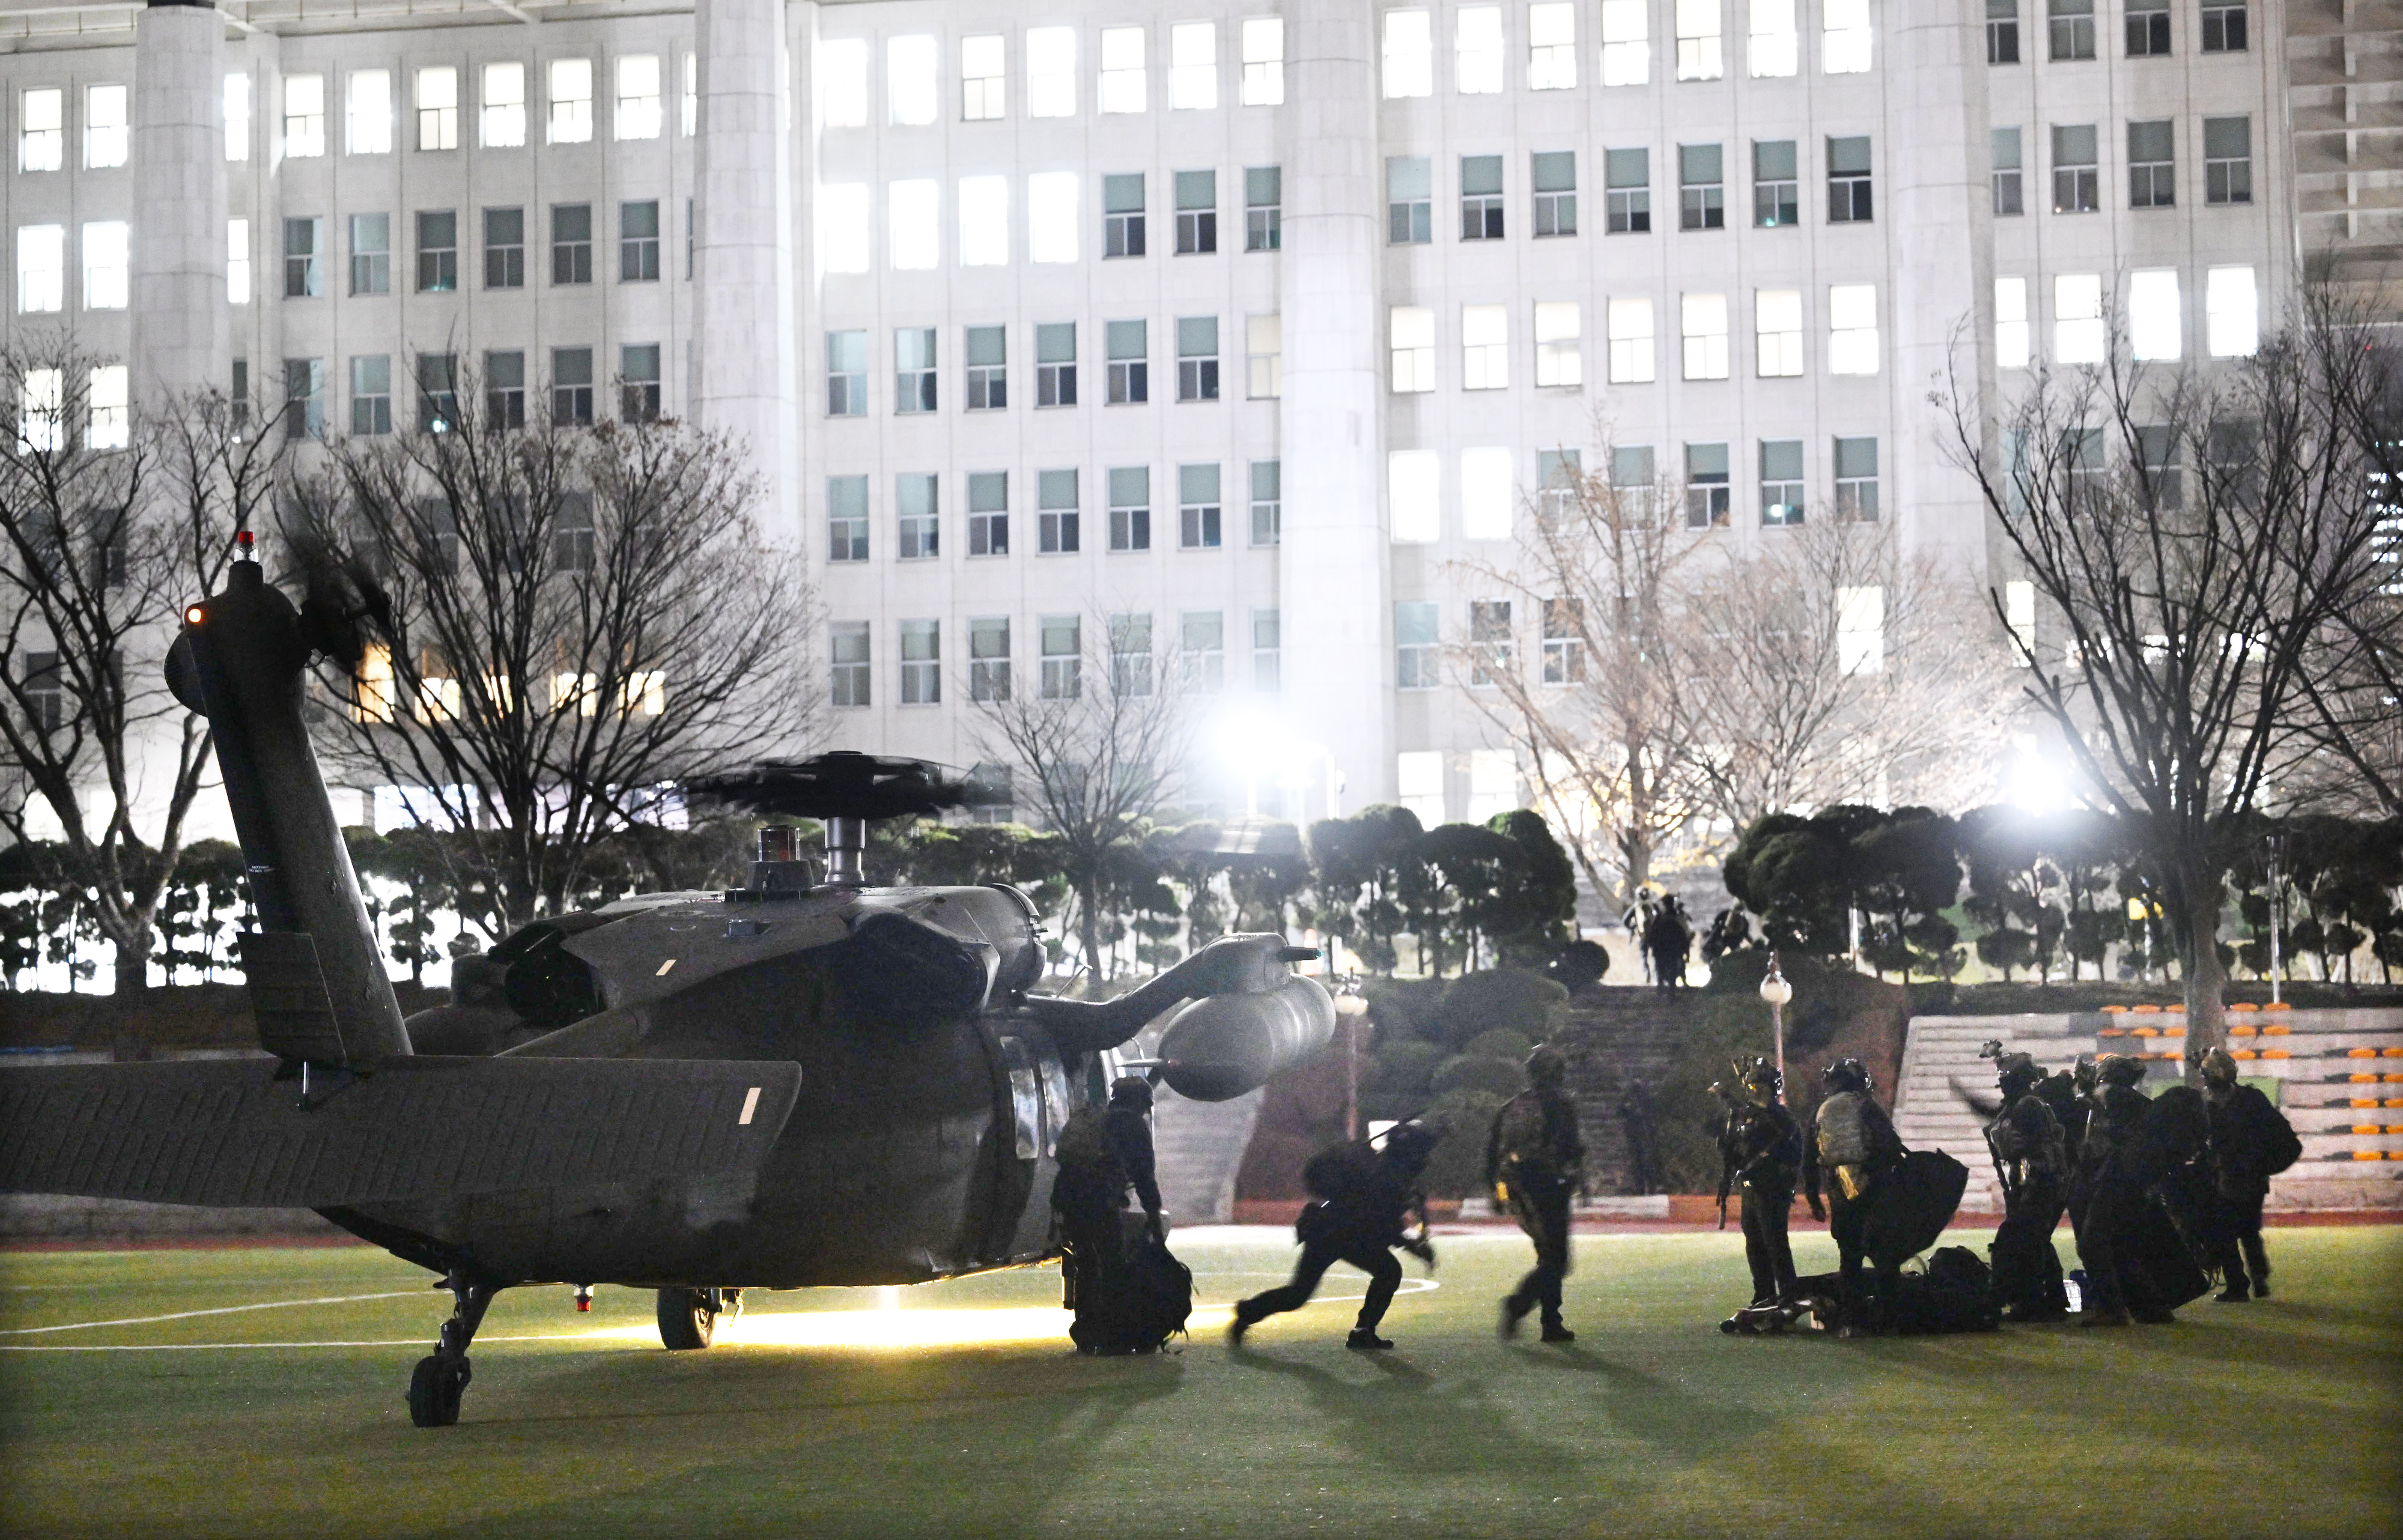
221 1310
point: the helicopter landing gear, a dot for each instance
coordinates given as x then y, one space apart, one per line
688 1317
441 1377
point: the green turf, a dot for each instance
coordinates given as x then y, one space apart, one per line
2271 1418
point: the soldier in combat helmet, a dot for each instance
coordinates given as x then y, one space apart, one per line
1360 1223
2032 1163
1853 1141
1535 1161
1760 1156
2251 1142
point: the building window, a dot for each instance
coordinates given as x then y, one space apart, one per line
1559 475
2077 333
1631 477
1197 358
372 395
1131 653
1480 198
922 662
846 517
1626 42
304 397
1699 54
502 124
984 91
1051 219
42 426
1264 356
1860 630
917 505
913 225
1417 656
107 131
2077 175
2227 159
1776 195
1063 655
1131 508
1057 518
984 221
1484 347
571 243
1193 66
42 138
1857 480
1701 190
1554 174
988 362
44 683
1128 344
2004 146
1627 188
41 269
2152 166
989 658
1852 328
913 369
1552 46
437 406
1051 73
107 258
1845 45
2157 455
1560 354
1263 62
911 89
1490 642
1267 644
847 374
638 242
1122 214
368 126
370 254
1414 495
1263 209
1631 341
237 117
2071 27
1777 332
1123 70
1563 641
571 387
844 75
1702 322
2232 312
638 382
2011 339
1477 51
1486 476
2002 32
438 109
1707 500
1849 196
1418 780
1202 650
847 651
1055 364
505 248
437 250
1413 329
989 513
304 274
1197 507
1409 55
571 102
2223 29
304 117
1197 211
1268 502
1774 47
237 261
111 425
505 403
1410 200
2148 28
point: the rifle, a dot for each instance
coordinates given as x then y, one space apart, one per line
1727 1145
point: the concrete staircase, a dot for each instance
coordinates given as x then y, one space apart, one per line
1199 1146
1617 1034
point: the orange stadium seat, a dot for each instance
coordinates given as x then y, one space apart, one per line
2243 1053
2276 1029
2361 1053
2392 1054
2369 1154
2149 1032
2275 1053
2173 1032
2242 1028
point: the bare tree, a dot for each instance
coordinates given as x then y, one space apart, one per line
111 525
564 623
2193 534
1093 747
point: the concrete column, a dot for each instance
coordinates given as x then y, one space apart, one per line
744 335
179 202
1333 579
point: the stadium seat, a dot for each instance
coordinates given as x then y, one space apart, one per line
2242 1028
2369 1154
2392 1054
2276 1029
2368 1127
2275 1053
2243 1053
2149 1032
2361 1053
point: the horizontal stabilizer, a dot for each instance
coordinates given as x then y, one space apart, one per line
287 995
224 1134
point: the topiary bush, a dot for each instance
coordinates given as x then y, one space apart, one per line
1476 1072
1511 999
1502 1042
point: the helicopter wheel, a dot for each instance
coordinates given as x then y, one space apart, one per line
688 1319
435 1389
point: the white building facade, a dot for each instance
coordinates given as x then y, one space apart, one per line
1226 334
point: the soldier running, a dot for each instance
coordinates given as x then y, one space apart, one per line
1361 1223
1535 1161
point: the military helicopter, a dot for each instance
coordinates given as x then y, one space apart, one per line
807 1081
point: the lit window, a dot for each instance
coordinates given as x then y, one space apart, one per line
1560 356
1413 347
1477 61
2155 327
642 111
1631 341
1193 66
909 89
1700 56
107 258
237 117
1774 49
1860 630
1122 87
2078 336
1264 356
1852 328
1485 347
1777 332
984 221
984 82
1493 783
438 109
1485 493
1418 773
1414 494
1052 72
1263 62
2232 309
1844 45
1552 46
842 83
691 102
1410 54
41 269
110 401
368 121
42 140
42 408
304 115
2011 339
237 261
1702 321
1626 42
1563 641
1490 650
502 124
913 213
2019 608
1051 216
843 223
106 130
571 102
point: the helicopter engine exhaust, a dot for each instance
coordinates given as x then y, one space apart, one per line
1219 1046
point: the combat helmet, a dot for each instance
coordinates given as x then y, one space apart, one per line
1547 1066
2119 1069
1846 1074
1762 1078
2017 1073
1130 1090
2218 1068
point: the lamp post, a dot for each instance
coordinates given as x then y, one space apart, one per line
2277 963
1350 1007
1777 992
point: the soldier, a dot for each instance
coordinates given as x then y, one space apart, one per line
1535 1161
2251 1142
2032 1165
1669 937
1760 1153
1360 1224
2124 1166
1853 1141
1100 1156
1637 1112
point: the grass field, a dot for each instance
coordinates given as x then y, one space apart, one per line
955 1410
